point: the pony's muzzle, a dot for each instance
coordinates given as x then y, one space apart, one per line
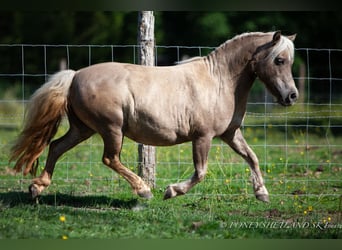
291 98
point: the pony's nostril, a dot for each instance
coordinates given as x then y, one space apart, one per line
293 96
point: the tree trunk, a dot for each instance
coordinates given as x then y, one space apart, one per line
147 158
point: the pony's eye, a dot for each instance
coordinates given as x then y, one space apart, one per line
279 61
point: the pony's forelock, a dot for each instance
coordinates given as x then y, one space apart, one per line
283 44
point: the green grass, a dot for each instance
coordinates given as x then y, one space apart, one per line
303 174
193 217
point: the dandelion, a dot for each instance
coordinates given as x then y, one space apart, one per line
310 208
64 237
326 220
62 218
301 153
227 181
281 159
305 212
268 170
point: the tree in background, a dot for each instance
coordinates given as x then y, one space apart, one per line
314 29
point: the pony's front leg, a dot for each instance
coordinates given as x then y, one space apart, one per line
200 149
238 143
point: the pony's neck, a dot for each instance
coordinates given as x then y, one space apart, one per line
231 60
231 66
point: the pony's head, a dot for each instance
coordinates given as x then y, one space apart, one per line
272 63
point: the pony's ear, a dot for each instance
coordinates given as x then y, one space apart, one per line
276 37
292 37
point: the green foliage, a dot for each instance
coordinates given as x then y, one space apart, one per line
171 28
213 28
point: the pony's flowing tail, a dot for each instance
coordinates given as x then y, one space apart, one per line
42 118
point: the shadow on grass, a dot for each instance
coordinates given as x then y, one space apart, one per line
13 199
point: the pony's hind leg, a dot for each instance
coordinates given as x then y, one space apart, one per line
111 157
77 133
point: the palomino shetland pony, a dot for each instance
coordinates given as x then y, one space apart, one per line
195 101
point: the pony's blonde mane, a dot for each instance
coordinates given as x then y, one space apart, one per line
284 44
239 37
190 60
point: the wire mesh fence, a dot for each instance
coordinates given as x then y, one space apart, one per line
298 147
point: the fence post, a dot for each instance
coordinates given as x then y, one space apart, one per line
146 154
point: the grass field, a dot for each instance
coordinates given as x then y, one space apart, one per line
303 174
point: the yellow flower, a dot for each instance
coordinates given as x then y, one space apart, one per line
64 237
310 208
305 212
326 220
247 170
62 218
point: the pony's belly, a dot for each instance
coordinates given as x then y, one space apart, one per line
156 137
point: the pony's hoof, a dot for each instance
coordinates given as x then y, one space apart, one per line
34 191
169 193
173 191
263 197
146 194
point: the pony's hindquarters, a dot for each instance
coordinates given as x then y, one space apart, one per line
43 115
